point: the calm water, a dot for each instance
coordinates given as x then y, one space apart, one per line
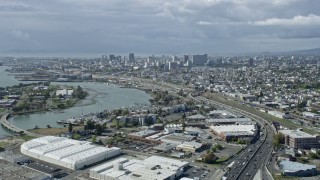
101 96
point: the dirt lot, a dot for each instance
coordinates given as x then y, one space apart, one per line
54 131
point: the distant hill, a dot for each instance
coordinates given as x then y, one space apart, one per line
315 51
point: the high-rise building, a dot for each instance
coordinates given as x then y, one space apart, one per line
174 58
199 60
251 62
111 57
131 57
185 58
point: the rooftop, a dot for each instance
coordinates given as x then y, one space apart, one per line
289 166
154 167
143 133
296 134
249 129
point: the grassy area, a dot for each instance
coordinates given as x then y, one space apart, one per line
54 131
280 177
222 159
268 117
4 144
26 137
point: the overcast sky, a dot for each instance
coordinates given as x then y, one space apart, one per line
159 26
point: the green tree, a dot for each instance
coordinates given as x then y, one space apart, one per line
94 139
149 121
76 136
70 128
313 155
183 117
98 129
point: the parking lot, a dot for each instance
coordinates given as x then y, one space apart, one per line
196 172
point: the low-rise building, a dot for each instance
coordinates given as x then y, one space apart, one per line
191 146
300 140
68 153
142 134
154 167
279 114
64 92
229 121
195 118
311 115
290 168
233 132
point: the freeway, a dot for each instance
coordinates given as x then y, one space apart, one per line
257 154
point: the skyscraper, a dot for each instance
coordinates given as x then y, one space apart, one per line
131 57
251 62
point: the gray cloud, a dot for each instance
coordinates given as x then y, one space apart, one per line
162 26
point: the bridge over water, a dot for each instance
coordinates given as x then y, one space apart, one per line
11 127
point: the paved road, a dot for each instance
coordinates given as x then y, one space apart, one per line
249 161
13 128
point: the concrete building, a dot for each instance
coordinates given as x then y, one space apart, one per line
300 140
311 115
229 132
141 135
229 121
64 92
199 60
131 58
154 167
189 146
279 114
219 113
195 118
290 168
68 153
173 128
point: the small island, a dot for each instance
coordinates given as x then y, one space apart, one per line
38 97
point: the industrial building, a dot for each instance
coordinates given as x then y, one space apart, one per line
281 115
290 168
141 135
154 167
68 153
229 121
229 132
300 140
189 146
223 113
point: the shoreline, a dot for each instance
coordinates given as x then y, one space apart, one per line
91 99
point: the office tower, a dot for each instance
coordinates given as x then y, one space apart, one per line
131 57
251 62
111 57
185 58
199 60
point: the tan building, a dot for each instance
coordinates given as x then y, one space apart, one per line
300 140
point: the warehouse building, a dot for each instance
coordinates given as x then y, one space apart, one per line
281 115
229 121
229 132
290 168
68 153
141 135
154 167
300 140
189 146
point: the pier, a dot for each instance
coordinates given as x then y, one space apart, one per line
11 127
